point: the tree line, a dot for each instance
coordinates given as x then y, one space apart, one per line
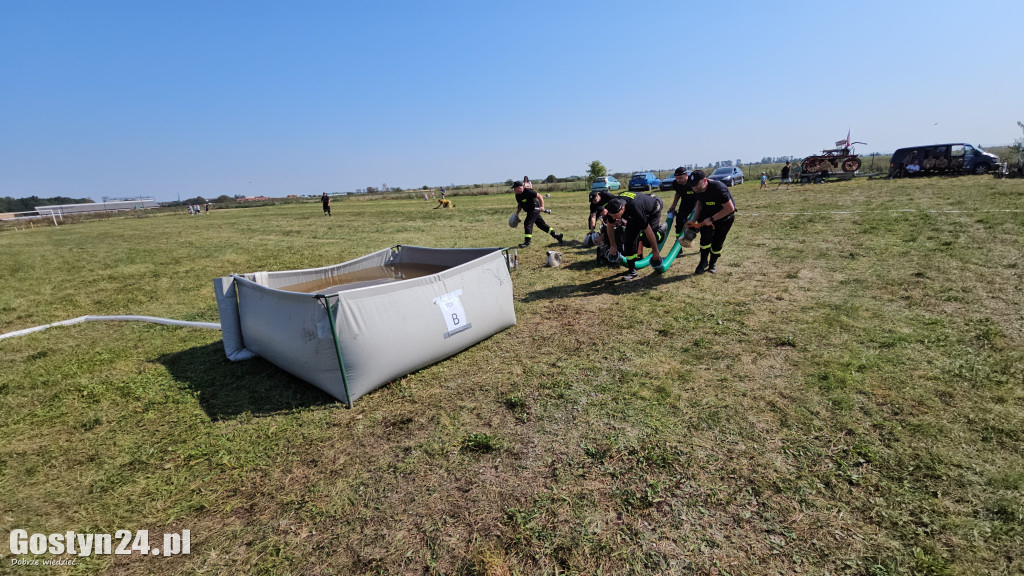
8 204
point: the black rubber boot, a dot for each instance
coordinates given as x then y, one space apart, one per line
703 265
713 264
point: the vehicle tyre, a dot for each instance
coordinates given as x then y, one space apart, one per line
981 169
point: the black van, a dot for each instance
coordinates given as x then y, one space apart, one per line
941 159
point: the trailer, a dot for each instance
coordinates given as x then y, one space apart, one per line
826 176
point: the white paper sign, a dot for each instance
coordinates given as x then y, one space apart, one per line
453 312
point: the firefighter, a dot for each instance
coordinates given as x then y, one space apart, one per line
533 204
715 215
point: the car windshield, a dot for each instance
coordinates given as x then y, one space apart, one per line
722 171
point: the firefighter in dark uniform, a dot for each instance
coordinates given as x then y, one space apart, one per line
642 213
687 199
715 214
598 200
533 204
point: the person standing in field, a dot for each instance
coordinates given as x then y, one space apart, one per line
714 218
326 201
764 181
784 177
527 183
529 201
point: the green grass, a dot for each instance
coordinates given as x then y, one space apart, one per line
843 397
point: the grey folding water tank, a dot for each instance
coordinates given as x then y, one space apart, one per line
353 327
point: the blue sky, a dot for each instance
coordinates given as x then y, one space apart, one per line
185 98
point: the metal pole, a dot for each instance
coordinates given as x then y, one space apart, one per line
337 345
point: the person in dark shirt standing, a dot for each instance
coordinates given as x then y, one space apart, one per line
529 201
326 201
784 177
642 213
715 215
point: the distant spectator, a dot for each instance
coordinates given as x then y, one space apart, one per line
912 166
326 201
784 177
764 181
526 183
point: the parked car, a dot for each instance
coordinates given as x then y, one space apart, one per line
728 175
667 183
605 184
941 159
644 181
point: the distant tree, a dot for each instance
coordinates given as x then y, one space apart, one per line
596 170
425 187
550 179
223 199
8 204
196 200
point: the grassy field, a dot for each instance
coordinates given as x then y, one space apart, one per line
843 397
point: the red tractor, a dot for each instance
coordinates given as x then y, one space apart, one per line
841 158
